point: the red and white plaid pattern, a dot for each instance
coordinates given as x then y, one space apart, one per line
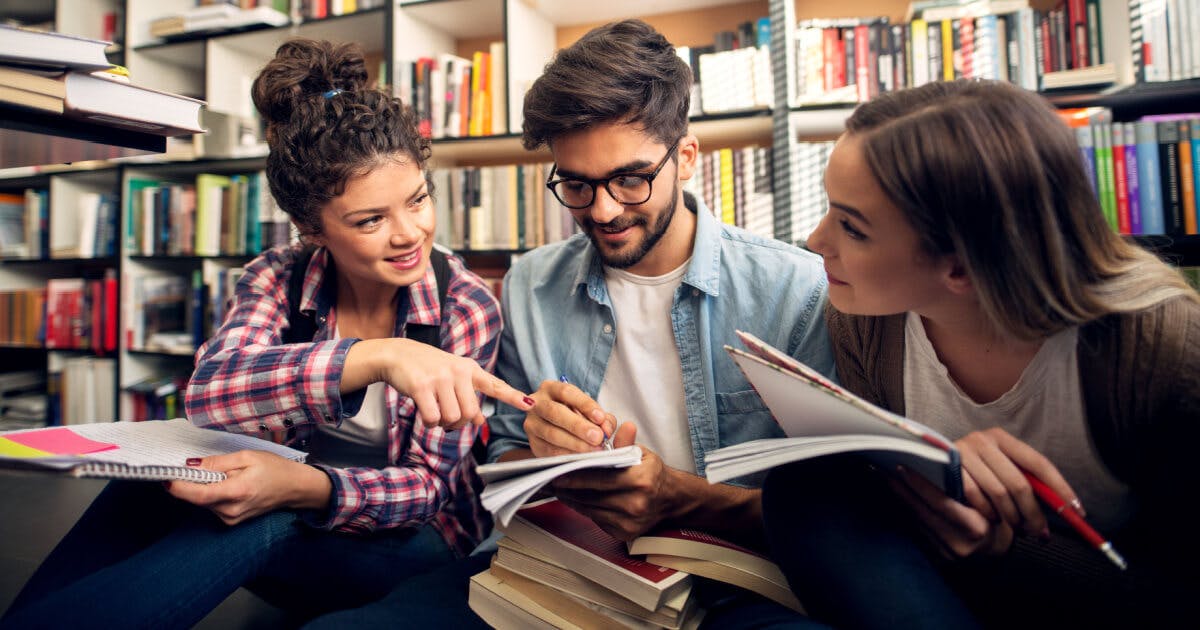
247 382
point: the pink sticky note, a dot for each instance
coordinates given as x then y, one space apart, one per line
60 441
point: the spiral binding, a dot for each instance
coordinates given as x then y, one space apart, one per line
113 470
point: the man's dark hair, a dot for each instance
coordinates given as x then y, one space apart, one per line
621 72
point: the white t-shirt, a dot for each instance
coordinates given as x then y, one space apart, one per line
644 379
1043 409
361 440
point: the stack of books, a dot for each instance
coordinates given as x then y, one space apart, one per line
56 74
556 568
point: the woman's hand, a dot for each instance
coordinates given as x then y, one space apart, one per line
999 499
958 530
995 463
442 385
256 483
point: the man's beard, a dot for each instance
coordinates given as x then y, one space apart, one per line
652 237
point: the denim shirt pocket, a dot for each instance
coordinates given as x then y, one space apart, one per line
741 417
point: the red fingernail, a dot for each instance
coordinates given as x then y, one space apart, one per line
528 401
193 461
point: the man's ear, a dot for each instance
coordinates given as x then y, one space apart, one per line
688 155
956 277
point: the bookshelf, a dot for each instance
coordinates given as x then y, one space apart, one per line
220 66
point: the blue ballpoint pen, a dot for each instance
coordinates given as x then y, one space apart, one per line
607 443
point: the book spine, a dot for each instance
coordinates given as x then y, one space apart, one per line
1187 183
1149 177
1119 182
1133 184
1168 163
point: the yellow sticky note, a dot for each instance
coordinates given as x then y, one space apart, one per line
9 448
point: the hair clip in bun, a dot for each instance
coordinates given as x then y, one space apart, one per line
331 93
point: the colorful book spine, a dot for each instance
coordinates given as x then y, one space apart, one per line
1168 164
1149 177
1187 182
1104 172
1120 193
1132 183
1087 150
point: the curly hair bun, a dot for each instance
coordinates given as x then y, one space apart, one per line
302 71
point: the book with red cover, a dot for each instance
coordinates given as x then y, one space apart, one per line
573 540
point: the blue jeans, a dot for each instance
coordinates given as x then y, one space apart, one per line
439 599
169 563
855 555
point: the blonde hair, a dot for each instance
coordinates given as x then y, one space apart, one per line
988 172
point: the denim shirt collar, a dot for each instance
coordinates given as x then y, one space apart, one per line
704 270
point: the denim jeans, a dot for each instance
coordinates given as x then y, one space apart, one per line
439 599
856 557
169 563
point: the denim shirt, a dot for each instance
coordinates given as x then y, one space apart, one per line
559 321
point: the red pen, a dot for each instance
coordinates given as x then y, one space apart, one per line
1056 503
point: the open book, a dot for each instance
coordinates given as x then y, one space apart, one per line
511 484
821 418
155 450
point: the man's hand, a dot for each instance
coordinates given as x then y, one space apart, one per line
625 502
565 420
256 483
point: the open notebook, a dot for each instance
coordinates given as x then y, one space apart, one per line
821 418
155 450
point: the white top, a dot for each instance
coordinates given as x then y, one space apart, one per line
361 440
644 380
1043 409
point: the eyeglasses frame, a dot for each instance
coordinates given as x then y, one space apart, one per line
594 183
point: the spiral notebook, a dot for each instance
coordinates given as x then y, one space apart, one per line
155 450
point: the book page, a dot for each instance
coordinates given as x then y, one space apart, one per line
511 484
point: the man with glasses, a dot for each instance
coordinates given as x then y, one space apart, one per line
635 311
632 314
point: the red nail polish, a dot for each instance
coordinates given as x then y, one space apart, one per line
528 401
193 461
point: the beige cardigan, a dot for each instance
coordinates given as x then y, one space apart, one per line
1140 376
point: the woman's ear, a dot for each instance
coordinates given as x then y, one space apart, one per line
689 152
956 277
308 236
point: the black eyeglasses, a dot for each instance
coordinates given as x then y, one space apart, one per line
629 189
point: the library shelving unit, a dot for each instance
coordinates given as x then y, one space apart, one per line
1127 97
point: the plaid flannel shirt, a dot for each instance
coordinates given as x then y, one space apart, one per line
247 382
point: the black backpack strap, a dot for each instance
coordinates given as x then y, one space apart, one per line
301 327
426 334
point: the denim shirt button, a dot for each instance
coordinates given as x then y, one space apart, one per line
263 427
607 328
695 292
287 422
